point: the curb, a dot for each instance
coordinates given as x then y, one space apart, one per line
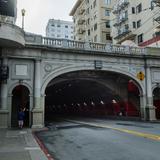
41 144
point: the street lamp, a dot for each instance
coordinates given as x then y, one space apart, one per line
23 11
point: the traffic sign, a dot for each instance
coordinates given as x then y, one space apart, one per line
140 76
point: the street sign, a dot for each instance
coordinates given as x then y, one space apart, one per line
140 76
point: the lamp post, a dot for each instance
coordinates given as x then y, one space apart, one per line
23 11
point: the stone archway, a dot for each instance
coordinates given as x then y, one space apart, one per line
122 101
156 101
20 98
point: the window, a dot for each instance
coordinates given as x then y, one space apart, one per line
152 5
133 10
87 1
88 20
107 24
87 10
138 23
107 12
94 3
95 26
58 25
126 14
134 24
126 26
139 8
66 26
95 38
52 25
140 38
66 36
108 37
107 2
52 35
89 32
95 16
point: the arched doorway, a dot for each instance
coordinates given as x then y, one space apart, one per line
20 98
156 101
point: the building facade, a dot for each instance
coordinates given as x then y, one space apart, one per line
59 29
36 74
8 11
138 21
92 20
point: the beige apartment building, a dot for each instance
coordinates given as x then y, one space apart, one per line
136 20
92 20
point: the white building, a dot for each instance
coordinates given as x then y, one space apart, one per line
59 29
92 20
136 20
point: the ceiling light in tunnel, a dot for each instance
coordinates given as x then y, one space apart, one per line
93 103
69 85
130 80
101 102
85 103
78 104
114 101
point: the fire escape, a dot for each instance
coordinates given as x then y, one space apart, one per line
157 19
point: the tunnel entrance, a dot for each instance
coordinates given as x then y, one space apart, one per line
156 101
92 94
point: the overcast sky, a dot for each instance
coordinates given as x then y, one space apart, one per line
38 12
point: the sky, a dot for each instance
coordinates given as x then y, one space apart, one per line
38 12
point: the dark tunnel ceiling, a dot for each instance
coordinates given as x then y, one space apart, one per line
79 87
78 91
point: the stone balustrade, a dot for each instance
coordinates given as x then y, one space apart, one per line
79 45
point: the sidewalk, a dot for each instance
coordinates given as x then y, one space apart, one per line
18 144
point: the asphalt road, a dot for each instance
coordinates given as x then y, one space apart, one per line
71 141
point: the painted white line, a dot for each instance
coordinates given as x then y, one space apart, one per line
23 132
32 148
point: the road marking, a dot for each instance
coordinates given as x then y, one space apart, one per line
32 148
23 132
136 133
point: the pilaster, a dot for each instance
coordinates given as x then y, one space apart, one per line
37 112
4 89
3 100
150 109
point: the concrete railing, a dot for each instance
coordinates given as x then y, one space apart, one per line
79 45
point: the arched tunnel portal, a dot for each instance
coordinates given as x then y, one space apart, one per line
93 94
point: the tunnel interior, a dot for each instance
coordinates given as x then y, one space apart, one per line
156 101
91 94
